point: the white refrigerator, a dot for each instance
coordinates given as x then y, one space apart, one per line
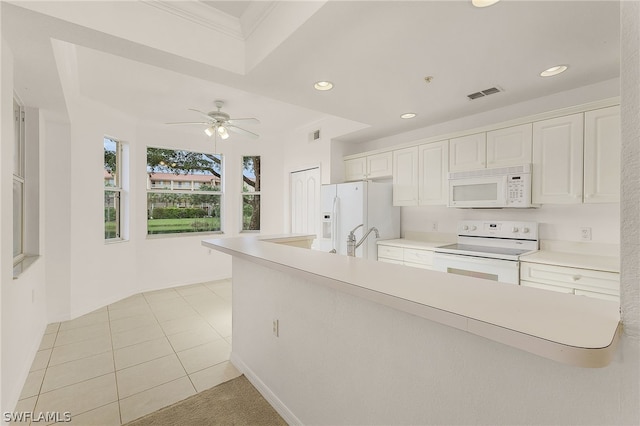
347 205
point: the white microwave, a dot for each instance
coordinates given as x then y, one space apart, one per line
491 188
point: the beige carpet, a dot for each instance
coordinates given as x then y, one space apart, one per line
235 402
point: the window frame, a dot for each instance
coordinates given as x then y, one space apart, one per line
250 193
116 190
19 175
170 187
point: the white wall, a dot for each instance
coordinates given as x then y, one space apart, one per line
23 302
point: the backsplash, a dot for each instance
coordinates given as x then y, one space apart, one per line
556 222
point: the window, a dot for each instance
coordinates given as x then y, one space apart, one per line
251 193
18 182
184 191
112 189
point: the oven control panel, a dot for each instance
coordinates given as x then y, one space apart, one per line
499 229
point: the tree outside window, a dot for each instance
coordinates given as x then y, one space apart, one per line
112 189
184 191
251 193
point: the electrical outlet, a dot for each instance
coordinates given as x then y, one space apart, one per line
276 327
585 234
434 227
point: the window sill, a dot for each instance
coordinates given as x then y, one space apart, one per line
20 267
115 241
182 235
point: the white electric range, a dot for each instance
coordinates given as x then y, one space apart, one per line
488 249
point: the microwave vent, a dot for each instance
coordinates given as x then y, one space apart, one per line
526 168
482 93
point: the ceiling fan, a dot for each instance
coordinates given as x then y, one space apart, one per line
220 123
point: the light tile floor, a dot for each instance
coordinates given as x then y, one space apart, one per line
133 357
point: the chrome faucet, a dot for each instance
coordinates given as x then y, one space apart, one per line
351 239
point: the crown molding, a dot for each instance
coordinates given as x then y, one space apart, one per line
201 14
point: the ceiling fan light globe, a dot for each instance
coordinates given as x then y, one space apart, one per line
209 131
222 131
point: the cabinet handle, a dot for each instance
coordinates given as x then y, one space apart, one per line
576 277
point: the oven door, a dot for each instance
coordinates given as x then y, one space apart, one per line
505 271
478 192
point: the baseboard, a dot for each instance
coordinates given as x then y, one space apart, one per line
264 390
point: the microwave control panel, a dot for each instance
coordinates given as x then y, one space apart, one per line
518 190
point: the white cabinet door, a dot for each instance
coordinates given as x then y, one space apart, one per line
379 165
433 168
510 146
468 152
405 177
602 155
557 160
355 169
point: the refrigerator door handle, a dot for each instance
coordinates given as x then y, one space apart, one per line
334 223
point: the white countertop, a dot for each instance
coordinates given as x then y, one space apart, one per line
574 260
576 330
414 244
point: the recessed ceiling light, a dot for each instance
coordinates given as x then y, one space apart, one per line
323 85
408 115
553 71
483 3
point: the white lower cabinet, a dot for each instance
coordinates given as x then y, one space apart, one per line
417 258
578 281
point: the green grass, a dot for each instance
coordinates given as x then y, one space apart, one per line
175 226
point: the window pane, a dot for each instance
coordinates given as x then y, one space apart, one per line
172 213
18 196
18 149
251 174
250 212
171 169
111 214
110 163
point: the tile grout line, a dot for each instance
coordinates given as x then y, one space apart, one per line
115 372
170 344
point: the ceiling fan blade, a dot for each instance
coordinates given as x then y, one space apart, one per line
241 131
188 122
204 114
252 120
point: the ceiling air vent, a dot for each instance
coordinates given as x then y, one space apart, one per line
482 93
314 136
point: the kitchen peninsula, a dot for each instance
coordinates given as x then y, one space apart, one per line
300 315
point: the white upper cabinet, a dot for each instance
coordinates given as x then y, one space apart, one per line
369 167
433 162
557 160
380 165
468 152
405 177
510 146
602 155
355 169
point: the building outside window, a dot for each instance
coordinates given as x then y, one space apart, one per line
18 182
251 193
112 189
184 191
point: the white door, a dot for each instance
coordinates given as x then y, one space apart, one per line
557 160
602 155
405 177
510 146
305 201
433 167
468 152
